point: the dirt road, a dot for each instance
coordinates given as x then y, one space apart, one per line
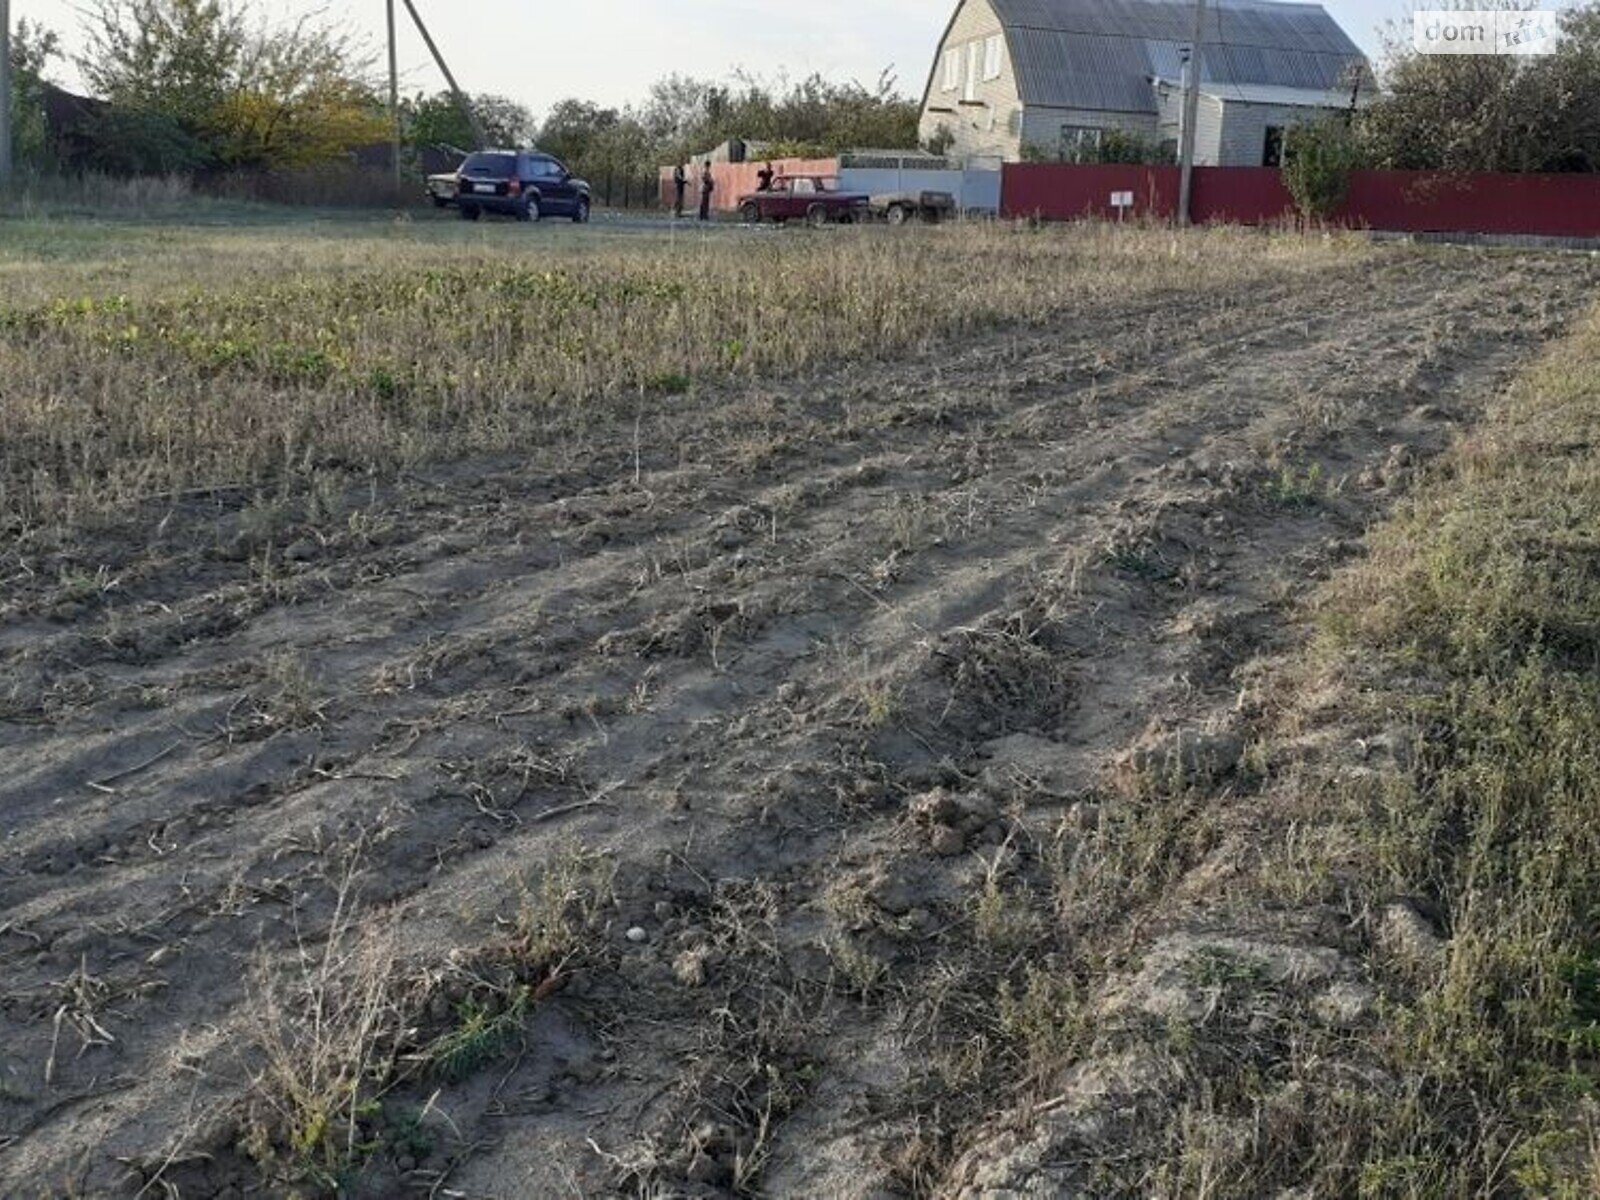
728 645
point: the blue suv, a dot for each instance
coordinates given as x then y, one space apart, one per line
520 183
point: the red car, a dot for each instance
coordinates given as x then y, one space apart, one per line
812 198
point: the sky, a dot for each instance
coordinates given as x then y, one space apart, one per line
610 51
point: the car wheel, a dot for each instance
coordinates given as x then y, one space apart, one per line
469 212
817 216
899 214
580 215
750 213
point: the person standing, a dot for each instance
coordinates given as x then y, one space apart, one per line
707 186
680 187
764 178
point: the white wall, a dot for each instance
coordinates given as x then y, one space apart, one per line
1244 129
974 190
1041 127
1208 133
988 127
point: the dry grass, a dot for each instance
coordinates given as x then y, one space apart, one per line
328 1033
37 197
284 368
248 360
1479 614
347 1022
1473 634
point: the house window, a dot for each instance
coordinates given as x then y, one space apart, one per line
952 70
1272 147
993 56
1080 144
974 50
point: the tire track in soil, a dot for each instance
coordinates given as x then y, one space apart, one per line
1019 453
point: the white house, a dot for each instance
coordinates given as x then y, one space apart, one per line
1051 77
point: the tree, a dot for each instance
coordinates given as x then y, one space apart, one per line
1317 160
32 48
575 127
1571 86
297 98
199 83
674 113
437 120
1491 112
131 141
939 142
504 121
684 116
178 58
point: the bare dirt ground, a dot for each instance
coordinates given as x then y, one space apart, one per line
807 665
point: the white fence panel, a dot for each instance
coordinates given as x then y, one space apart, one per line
975 191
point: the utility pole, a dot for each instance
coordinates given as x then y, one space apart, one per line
394 96
1191 114
5 94
455 89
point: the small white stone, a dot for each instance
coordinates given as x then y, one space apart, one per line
637 934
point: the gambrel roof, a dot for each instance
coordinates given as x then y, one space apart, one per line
1102 54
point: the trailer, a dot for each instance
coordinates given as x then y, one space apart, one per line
901 208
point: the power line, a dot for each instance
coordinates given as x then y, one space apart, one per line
444 67
1191 113
394 96
5 94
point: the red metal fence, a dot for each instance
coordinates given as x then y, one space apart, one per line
1066 192
1394 201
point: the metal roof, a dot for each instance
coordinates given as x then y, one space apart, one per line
1102 54
1283 97
1267 93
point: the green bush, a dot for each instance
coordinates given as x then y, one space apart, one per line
32 48
1317 162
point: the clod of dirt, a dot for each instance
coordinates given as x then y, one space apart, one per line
1187 758
1409 936
1084 817
938 807
1183 974
1398 467
1345 1003
949 819
704 1169
1027 763
1096 1103
893 893
690 967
